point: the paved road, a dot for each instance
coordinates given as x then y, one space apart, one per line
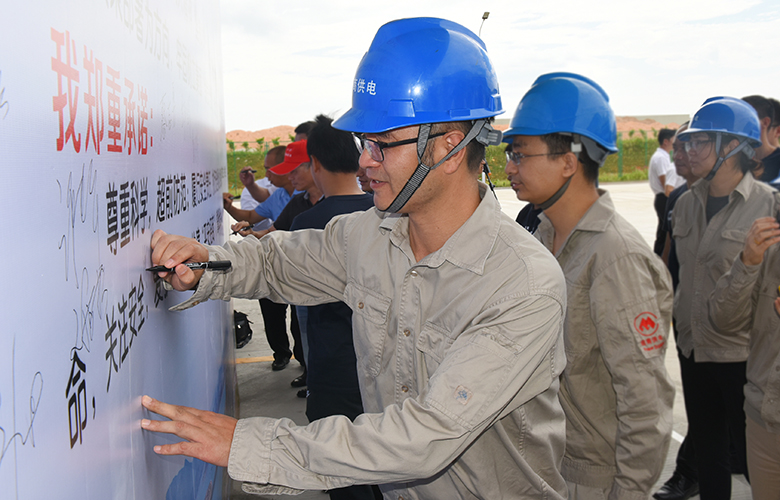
268 393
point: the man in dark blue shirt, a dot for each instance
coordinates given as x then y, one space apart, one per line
331 364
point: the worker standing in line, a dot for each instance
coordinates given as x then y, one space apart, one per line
615 391
709 224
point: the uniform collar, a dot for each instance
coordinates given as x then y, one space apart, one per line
468 248
701 188
596 219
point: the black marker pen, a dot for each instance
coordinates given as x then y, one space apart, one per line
216 265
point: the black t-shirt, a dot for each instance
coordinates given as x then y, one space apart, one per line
771 166
715 204
674 264
331 363
297 205
529 218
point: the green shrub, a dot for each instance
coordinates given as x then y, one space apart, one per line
237 160
635 157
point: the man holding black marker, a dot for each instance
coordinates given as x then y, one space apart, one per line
457 311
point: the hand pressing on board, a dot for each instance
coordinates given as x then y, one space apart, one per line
208 435
170 250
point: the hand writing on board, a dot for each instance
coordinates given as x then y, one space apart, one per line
209 435
170 250
227 200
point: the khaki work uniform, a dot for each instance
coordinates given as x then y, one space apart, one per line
458 354
712 361
615 390
744 300
706 251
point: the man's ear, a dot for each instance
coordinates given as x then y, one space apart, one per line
450 140
765 123
315 164
570 164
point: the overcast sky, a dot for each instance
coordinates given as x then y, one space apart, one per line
285 62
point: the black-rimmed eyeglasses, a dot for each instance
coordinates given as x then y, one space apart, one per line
516 158
375 148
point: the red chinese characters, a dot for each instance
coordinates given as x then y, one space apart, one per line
127 103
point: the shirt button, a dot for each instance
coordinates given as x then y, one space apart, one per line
404 388
414 273
407 333
360 305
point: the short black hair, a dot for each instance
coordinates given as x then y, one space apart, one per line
560 144
762 106
776 108
664 134
304 128
475 151
334 149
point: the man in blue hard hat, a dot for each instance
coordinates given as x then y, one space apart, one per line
457 311
615 390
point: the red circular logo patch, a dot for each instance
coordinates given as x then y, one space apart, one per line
646 323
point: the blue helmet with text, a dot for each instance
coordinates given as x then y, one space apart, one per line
421 70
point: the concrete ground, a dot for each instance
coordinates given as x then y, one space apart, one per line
263 392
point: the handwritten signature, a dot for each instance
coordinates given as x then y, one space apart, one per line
81 199
93 301
26 434
3 103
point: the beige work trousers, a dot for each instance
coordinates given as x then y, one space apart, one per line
580 492
763 458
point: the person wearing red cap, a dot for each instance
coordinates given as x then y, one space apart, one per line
274 314
294 155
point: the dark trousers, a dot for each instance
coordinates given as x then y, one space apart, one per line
714 402
686 458
660 232
275 321
323 402
686 454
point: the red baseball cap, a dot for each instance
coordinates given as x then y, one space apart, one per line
294 155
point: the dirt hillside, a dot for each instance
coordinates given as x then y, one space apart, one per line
283 132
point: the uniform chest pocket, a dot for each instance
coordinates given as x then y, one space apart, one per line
683 243
735 236
732 242
434 342
370 321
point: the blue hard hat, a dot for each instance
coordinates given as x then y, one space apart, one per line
565 103
727 115
421 70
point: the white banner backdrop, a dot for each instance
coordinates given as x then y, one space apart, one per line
111 126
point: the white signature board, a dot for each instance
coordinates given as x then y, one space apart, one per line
111 126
